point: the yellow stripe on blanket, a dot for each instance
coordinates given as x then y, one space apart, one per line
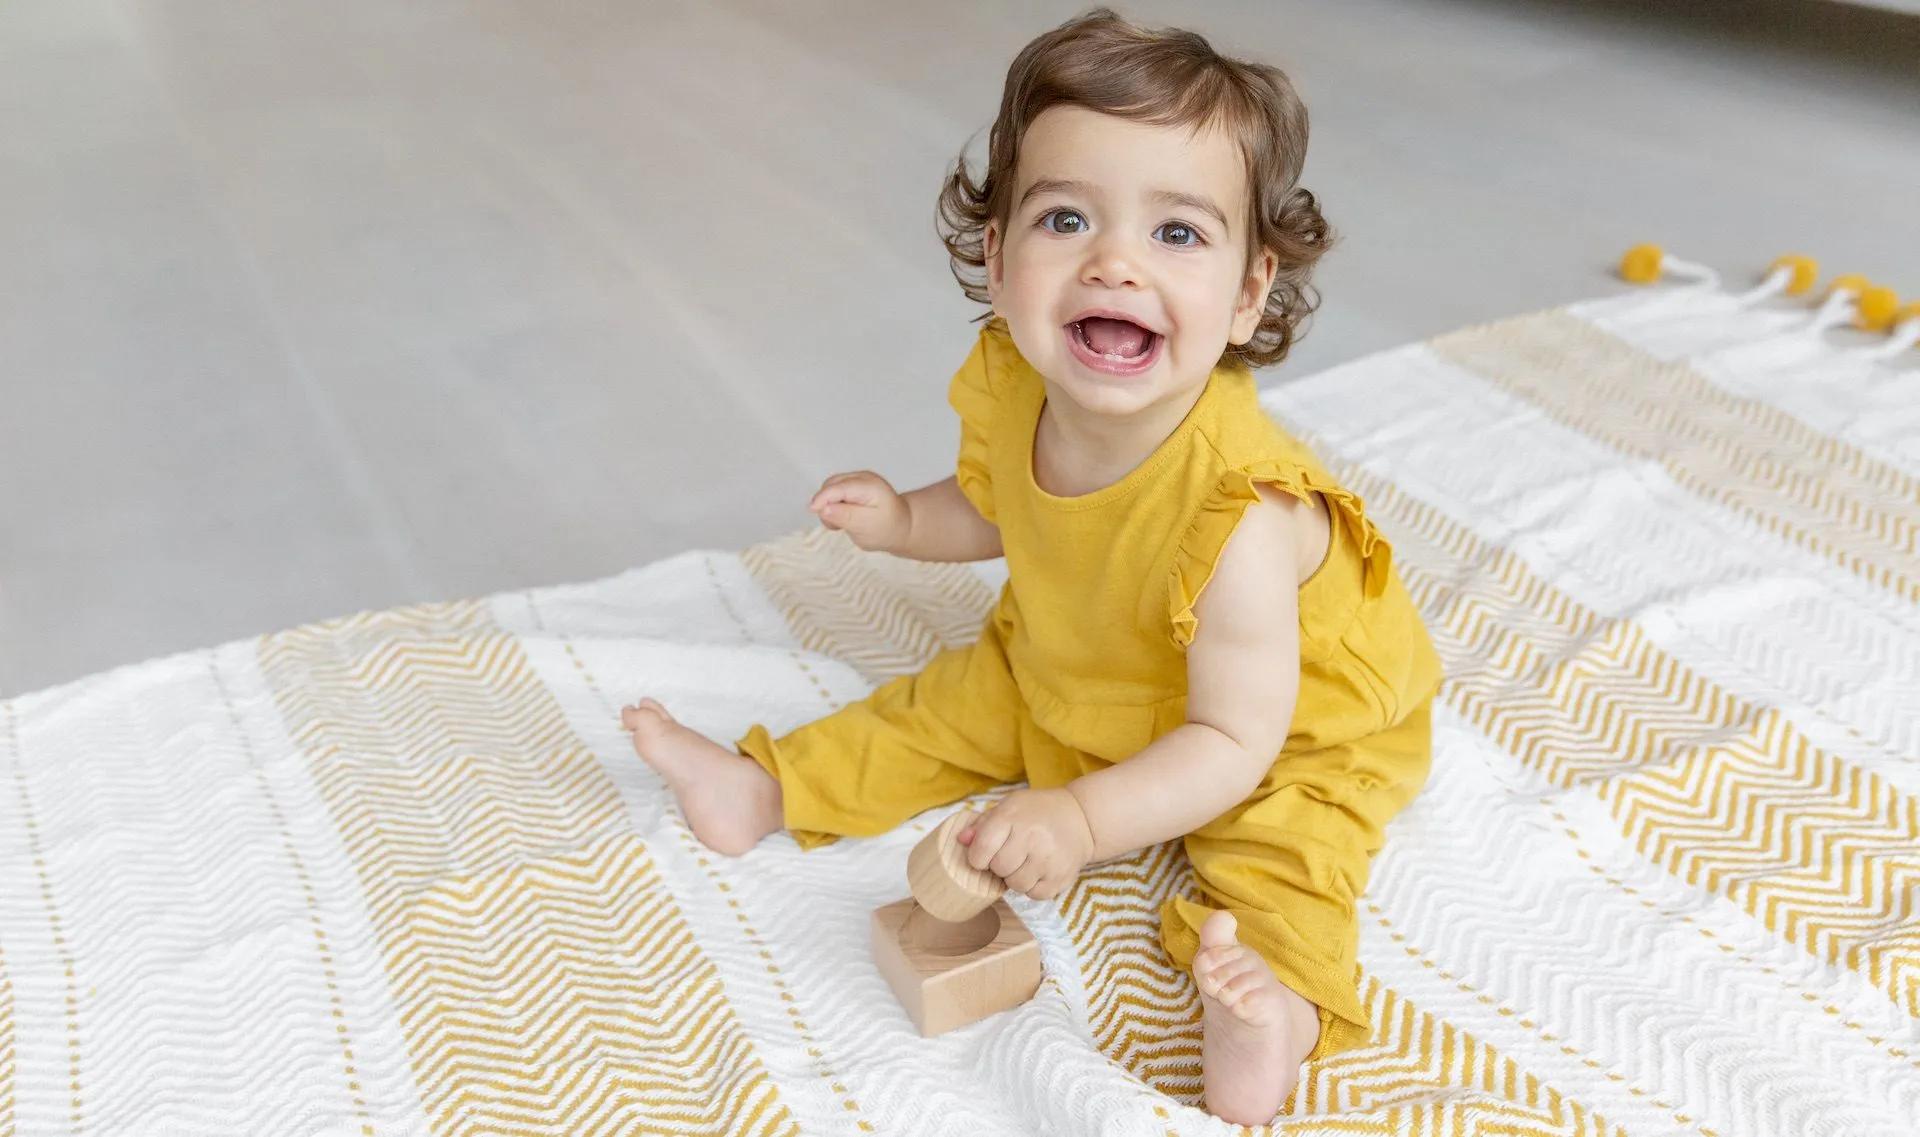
1808 487
546 980
1719 792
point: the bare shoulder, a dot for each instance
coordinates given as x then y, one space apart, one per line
1279 541
1292 528
1313 527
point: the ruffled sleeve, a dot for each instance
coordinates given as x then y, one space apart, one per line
1213 522
974 395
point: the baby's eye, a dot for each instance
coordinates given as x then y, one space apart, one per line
1058 212
1183 227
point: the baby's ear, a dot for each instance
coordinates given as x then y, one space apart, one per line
1253 296
990 249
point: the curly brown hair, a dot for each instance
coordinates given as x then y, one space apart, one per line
1167 77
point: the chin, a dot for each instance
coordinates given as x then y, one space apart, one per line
1118 395
1118 398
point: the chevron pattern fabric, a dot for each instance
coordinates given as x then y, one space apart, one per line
401 873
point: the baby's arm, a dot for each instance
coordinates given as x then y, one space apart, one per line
932 523
946 527
1243 677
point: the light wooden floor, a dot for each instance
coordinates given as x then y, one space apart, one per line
307 308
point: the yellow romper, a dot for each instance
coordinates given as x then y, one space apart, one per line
1082 663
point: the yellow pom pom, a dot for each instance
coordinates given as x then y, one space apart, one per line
1876 308
1852 282
1641 265
1910 312
1806 271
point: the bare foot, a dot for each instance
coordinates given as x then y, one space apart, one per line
730 802
1256 1030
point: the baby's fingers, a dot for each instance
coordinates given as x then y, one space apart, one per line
1012 858
1050 886
848 493
836 514
1027 877
989 834
836 479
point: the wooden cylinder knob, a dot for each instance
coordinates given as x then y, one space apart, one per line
941 880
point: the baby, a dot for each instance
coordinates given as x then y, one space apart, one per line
1202 635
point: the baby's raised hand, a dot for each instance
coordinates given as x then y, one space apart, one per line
867 507
1035 840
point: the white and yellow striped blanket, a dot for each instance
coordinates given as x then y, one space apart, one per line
401 872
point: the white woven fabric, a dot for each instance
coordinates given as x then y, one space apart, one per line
401 872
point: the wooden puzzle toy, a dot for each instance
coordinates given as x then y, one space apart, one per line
954 952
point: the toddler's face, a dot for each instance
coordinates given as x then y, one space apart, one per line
1115 241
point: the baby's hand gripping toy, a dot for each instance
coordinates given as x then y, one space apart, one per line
953 952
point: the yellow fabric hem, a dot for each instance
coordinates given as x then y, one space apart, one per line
1198 555
972 396
758 745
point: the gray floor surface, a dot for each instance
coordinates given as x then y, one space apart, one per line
313 308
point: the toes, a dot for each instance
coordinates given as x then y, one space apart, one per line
1228 992
638 714
1245 995
1211 978
1222 959
1209 966
1240 962
1234 988
1228 973
1218 930
1261 1004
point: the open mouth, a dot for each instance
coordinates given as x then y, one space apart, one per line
1115 346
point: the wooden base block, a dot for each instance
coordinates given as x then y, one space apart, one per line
949 975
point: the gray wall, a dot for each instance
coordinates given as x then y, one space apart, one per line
312 308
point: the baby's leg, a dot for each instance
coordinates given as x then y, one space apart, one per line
1273 947
729 801
916 742
1256 1031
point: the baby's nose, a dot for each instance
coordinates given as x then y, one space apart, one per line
1114 263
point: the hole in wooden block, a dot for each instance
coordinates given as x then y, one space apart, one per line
977 967
923 932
